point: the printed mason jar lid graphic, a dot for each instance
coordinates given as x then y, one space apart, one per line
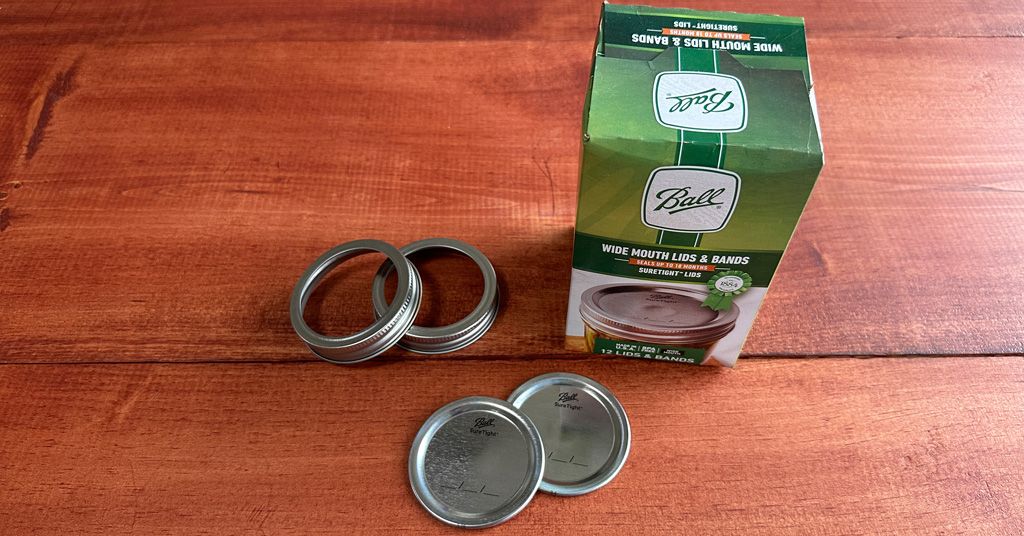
655 313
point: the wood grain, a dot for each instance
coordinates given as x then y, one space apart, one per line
882 446
65 22
168 169
195 206
161 200
919 210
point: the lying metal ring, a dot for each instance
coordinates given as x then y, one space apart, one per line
392 322
437 340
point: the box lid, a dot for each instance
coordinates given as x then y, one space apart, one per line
705 82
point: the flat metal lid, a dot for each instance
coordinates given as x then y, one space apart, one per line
654 310
583 427
476 462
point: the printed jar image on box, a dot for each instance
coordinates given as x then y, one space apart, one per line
700 148
667 320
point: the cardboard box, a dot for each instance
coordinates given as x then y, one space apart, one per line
700 150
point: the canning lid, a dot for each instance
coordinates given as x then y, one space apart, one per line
379 336
440 339
476 462
583 427
655 313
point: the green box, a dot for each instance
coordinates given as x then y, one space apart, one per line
700 149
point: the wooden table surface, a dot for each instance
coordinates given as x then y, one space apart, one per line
169 169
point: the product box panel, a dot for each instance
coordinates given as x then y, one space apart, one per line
700 150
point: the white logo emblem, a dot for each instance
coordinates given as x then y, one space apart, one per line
729 283
690 199
702 102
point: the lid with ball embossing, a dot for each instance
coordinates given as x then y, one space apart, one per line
476 462
583 427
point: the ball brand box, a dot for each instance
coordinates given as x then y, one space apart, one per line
700 149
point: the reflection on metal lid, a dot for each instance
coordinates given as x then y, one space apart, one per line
583 427
476 462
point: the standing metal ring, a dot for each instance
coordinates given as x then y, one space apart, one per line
436 340
392 321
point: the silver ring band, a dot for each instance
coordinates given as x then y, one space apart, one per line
392 321
436 340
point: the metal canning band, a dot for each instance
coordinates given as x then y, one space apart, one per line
436 340
391 324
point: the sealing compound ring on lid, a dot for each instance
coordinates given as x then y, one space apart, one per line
441 339
392 322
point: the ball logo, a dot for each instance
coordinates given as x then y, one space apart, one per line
690 199
483 423
701 102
